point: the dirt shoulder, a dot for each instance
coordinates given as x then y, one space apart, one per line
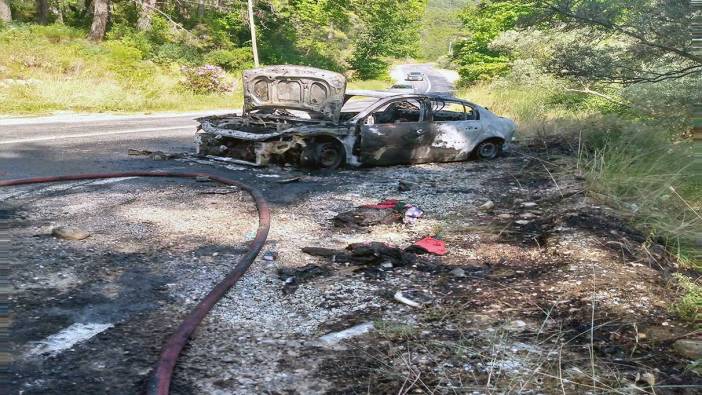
546 291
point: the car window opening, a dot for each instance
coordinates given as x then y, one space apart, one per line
447 111
396 112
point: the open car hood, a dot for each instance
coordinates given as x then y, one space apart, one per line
320 92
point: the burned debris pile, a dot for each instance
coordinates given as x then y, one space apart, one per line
389 211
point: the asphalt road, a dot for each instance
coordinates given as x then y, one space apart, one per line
435 80
42 146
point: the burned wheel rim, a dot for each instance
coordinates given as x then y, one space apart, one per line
330 155
488 150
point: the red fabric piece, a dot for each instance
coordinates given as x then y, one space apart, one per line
432 245
387 203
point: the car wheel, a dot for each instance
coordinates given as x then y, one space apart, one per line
324 155
489 149
330 155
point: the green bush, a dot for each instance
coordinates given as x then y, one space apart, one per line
231 59
689 306
176 53
130 37
206 79
369 68
160 32
481 71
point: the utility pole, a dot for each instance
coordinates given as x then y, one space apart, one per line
253 33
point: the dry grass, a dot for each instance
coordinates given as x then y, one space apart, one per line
45 69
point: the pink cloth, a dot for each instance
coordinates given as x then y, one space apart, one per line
388 203
432 245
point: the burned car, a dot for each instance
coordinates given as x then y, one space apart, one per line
305 116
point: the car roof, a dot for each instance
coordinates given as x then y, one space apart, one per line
396 95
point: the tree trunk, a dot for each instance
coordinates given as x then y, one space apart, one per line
200 9
101 13
147 8
57 11
43 11
5 13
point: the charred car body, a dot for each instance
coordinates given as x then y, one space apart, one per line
305 116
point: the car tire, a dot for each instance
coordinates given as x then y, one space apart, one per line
488 149
323 155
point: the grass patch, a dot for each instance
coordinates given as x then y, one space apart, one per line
641 166
54 68
689 307
369 84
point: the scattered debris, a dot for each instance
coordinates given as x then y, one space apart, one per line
387 203
154 155
230 160
69 233
289 180
402 299
458 272
412 298
529 204
356 330
412 214
430 245
293 277
386 212
516 326
202 179
371 253
219 191
270 256
268 175
302 274
363 217
487 206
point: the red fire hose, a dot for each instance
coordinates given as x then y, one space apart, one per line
160 381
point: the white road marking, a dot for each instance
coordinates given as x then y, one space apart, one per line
428 83
78 118
96 134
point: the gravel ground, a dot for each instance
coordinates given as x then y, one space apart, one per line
90 315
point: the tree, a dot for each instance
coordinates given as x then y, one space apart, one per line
101 13
629 41
388 28
5 13
146 10
482 23
42 11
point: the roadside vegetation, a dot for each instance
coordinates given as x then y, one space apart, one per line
621 103
172 56
54 68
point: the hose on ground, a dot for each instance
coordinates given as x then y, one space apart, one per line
160 380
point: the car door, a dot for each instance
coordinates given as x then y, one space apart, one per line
396 132
455 128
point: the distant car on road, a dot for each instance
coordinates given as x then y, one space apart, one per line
402 88
415 76
298 115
